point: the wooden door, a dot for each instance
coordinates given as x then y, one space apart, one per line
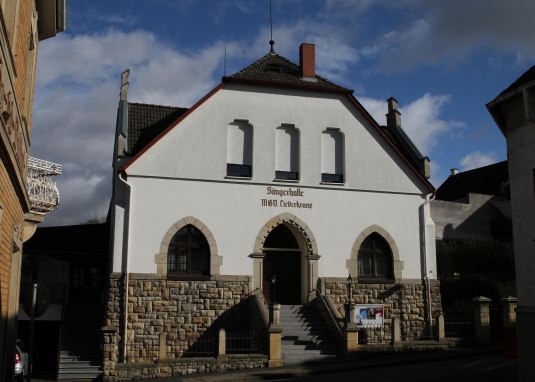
285 268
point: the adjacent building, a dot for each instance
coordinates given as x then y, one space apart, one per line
277 181
23 23
513 111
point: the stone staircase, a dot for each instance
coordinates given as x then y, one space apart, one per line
80 356
305 335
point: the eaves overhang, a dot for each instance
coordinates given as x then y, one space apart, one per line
389 141
494 106
278 84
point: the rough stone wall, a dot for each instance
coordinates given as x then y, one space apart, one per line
186 366
406 300
183 312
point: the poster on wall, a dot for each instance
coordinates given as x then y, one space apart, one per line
369 315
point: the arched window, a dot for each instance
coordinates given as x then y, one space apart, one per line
189 253
332 156
239 149
287 153
375 258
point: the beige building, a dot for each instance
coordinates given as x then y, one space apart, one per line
23 23
514 113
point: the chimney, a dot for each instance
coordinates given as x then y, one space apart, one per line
307 60
393 118
454 171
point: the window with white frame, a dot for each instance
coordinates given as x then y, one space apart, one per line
332 156
287 153
239 149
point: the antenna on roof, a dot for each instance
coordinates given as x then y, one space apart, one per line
271 42
225 62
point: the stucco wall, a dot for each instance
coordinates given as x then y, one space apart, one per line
234 214
196 148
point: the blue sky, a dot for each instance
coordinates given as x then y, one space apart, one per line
442 60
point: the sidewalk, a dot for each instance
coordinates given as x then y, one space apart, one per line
364 361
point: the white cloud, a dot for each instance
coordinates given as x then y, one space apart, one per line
421 119
477 159
77 97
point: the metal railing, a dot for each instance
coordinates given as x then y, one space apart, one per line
241 342
458 326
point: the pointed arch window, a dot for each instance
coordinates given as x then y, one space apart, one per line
375 258
239 149
189 253
332 156
287 153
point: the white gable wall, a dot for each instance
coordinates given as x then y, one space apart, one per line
184 174
197 147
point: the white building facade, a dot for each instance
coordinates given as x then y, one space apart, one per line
278 180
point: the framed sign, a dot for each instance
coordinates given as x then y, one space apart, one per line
369 315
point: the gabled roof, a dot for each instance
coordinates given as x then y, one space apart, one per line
275 70
524 79
495 106
145 122
406 146
488 180
153 122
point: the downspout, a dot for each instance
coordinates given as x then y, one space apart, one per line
120 149
125 265
428 199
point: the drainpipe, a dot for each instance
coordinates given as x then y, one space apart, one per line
125 261
425 216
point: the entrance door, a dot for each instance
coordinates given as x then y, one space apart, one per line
85 282
282 268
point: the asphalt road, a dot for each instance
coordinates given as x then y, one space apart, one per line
488 368
477 367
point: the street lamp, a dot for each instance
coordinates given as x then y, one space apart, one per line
350 288
274 282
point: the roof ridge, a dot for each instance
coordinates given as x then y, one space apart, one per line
269 70
155 105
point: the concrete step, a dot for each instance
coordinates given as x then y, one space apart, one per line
305 335
307 358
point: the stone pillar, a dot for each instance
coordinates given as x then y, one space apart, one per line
222 342
275 347
258 269
275 319
275 336
351 332
396 331
482 318
162 347
509 305
441 330
312 276
110 354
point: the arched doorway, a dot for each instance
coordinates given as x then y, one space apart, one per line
281 279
